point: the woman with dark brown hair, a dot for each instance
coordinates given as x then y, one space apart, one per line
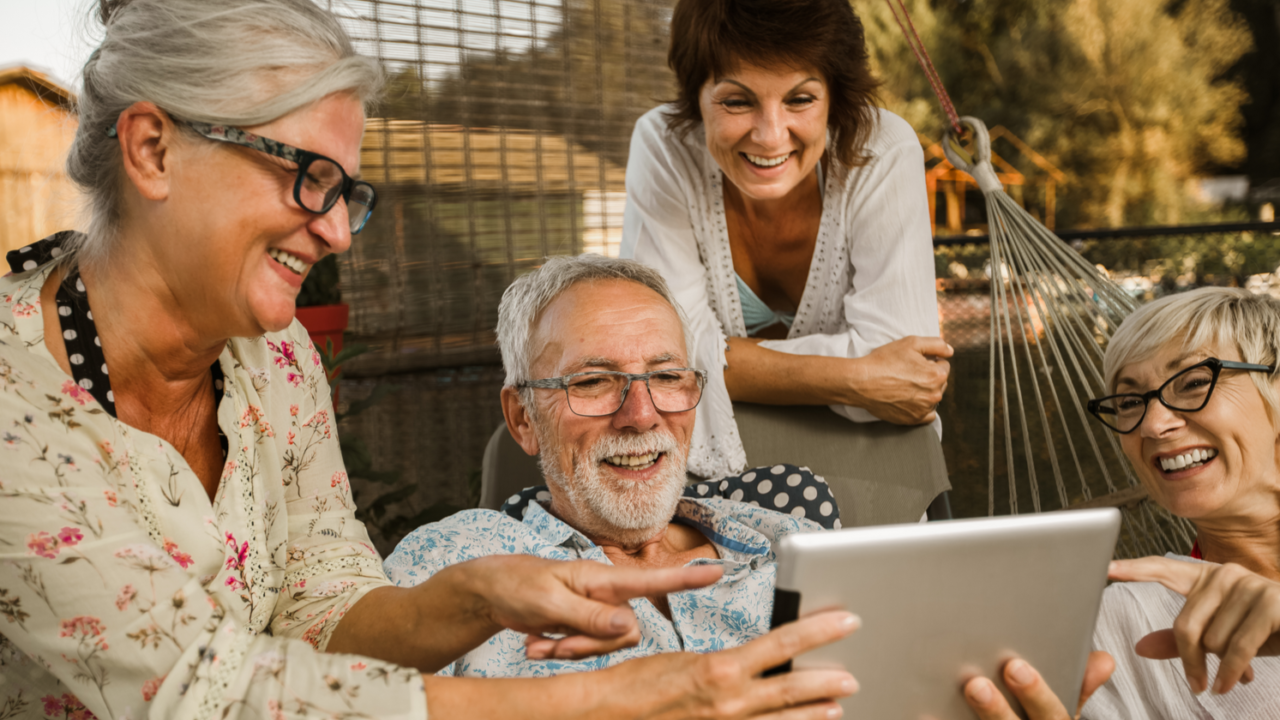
789 216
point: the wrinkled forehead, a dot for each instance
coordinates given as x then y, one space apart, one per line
607 324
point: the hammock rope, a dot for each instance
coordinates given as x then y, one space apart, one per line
1052 314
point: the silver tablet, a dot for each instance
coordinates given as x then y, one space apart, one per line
942 602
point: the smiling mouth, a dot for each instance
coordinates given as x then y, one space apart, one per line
1186 461
634 462
288 260
764 162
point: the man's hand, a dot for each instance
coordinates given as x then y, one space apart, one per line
585 601
902 382
1230 611
1033 692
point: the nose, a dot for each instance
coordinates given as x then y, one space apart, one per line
333 227
1160 420
638 411
770 129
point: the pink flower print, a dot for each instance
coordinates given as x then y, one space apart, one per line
151 687
293 410
75 392
339 479
42 544
126 596
24 310
84 627
294 379
53 706
70 536
292 435
182 558
234 584
235 561
315 357
359 666
76 709
111 497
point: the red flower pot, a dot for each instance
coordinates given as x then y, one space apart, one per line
325 323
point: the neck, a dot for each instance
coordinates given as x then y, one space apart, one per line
632 542
154 346
1251 543
769 210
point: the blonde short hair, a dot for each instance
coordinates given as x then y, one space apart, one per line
1211 316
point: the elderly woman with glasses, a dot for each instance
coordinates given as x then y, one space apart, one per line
1195 399
178 537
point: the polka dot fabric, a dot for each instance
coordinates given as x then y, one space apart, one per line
784 488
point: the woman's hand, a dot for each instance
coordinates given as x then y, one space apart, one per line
726 685
1230 611
1033 692
584 601
902 382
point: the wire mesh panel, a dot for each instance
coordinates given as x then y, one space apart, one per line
503 140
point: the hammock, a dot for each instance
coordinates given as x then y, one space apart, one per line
1052 315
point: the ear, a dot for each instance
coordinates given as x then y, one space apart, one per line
146 133
519 423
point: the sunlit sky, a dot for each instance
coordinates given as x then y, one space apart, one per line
56 36
49 35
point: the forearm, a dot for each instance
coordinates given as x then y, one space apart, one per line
759 375
424 627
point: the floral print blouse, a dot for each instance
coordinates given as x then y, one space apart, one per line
126 593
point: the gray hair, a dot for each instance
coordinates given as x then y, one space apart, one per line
230 62
526 298
1197 319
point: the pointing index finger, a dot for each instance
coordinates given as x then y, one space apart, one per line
1180 577
621 584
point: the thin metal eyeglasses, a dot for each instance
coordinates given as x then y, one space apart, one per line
320 182
1187 391
597 393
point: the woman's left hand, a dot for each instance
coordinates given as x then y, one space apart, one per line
1231 612
1032 691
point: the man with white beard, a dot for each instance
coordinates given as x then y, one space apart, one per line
598 385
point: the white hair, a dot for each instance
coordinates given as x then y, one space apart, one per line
223 62
1200 319
526 298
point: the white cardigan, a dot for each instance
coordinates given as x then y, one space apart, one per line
871 280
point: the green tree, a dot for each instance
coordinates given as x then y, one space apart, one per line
1126 96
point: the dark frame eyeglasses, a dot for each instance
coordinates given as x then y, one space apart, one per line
1108 409
315 191
679 376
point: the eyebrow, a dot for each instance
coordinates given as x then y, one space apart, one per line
1174 364
607 364
753 92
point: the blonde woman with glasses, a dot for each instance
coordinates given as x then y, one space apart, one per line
1194 396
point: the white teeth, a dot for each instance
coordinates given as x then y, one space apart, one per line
290 261
767 162
1193 458
633 460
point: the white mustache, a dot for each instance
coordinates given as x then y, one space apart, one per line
643 444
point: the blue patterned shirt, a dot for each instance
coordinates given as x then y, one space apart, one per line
734 610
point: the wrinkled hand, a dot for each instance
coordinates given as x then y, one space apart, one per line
1230 611
584 601
903 381
1033 692
727 684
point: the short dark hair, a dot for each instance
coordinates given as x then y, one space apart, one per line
711 37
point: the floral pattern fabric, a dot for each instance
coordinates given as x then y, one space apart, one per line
734 610
126 593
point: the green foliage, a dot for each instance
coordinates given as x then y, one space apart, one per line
1127 97
321 284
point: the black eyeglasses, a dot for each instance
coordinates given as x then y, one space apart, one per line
1187 391
321 180
598 393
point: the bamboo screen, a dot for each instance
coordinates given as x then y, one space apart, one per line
503 140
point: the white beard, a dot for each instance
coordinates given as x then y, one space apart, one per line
611 507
